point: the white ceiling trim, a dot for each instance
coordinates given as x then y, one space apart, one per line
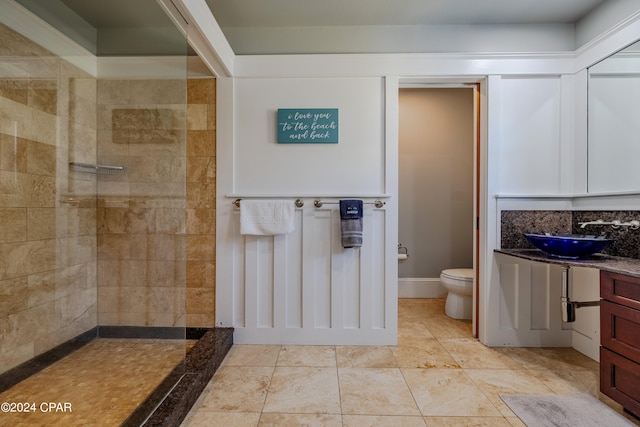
206 37
616 38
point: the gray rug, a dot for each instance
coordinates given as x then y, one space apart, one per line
563 410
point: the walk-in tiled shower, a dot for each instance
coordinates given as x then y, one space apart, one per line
107 227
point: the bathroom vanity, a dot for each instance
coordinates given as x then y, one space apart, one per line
620 339
619 321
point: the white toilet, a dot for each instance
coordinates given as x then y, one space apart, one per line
459 283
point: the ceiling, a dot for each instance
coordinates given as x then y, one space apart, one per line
138 27
296 13
113 27
352 26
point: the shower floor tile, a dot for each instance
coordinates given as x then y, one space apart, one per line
100 384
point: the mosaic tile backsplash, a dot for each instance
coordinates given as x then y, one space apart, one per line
515 223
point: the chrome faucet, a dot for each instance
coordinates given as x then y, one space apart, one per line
614 224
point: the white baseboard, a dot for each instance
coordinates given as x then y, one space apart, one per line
420 287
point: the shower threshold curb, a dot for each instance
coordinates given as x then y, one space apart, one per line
167 406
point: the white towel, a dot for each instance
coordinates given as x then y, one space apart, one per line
266 217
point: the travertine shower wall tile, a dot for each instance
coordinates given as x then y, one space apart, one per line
156 169
41 159
201 91
200 247
42 288
201 195
28 123
201 274
42 95
14 225
156 143
157 247
42 255
113 92
200 221
15 189
159 191
143 128
201 143
201 169
47 242
159 91
13 153
39 223
14 260
43 191
197 116
15 89
76 221
76 250
82 144
171 221
14 296
199 300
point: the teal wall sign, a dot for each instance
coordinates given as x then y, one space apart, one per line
308 125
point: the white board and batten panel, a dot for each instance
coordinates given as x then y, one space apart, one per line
530 134
529 313
304 287
584 285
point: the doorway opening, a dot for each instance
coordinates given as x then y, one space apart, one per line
439 187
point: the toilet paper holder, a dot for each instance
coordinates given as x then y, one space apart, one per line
402 251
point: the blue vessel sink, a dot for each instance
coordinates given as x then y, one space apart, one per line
572 246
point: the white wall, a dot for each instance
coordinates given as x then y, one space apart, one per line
303 287
614 101
355 165
530 134
533 110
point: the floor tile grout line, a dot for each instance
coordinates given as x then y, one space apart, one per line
412 395
335 349
266 394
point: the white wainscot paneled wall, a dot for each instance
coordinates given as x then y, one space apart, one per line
529 313
530 135
305 288
585 286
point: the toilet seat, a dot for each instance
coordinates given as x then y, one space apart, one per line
463 274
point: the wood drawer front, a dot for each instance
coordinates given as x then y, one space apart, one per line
620 380
620 288
620 329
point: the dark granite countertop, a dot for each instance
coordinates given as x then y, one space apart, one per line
628 266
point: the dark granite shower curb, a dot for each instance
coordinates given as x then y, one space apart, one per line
200 363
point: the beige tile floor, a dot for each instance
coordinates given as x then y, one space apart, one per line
437 375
